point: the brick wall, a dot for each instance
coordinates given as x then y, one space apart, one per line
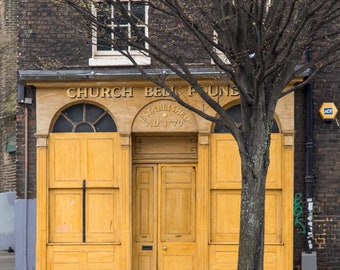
8 71
54 37
51 37
327 173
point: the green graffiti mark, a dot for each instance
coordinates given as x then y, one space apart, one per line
298 214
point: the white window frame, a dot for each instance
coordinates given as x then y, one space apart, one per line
116 58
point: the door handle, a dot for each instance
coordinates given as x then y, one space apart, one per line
84 212
165 248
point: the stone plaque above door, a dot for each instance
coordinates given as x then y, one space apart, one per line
164 116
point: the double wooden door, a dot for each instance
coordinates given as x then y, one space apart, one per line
164 217
83 199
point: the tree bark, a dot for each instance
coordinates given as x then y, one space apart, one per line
255 163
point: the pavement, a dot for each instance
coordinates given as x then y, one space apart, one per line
6 260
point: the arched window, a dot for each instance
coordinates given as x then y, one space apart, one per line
84 117
235 113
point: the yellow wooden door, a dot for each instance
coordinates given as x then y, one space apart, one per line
83 201
165 217
225 198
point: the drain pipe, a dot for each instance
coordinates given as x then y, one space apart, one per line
309 257
309 179
22 99
26 184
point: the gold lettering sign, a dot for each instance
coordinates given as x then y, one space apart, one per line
128 92
157 92
215 91
100 92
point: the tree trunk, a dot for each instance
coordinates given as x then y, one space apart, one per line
255 161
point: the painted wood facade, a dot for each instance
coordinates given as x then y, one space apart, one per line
163 192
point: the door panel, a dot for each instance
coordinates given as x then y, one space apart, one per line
144 217
63 153
178 257
273 220
222 257
65 216
225 215
102 215
100 162
145 204
173 255
177 203
225 165
83 257
164 217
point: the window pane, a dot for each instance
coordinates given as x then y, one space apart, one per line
106 124
118 17
104 39
93 113
119 34
138 12
62 125
103 33
75 113
84 127
138 40
104 13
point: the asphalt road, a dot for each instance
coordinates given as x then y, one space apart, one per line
6 260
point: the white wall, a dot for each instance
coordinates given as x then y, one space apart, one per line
25 234
7 220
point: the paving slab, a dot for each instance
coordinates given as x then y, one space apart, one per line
7 260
